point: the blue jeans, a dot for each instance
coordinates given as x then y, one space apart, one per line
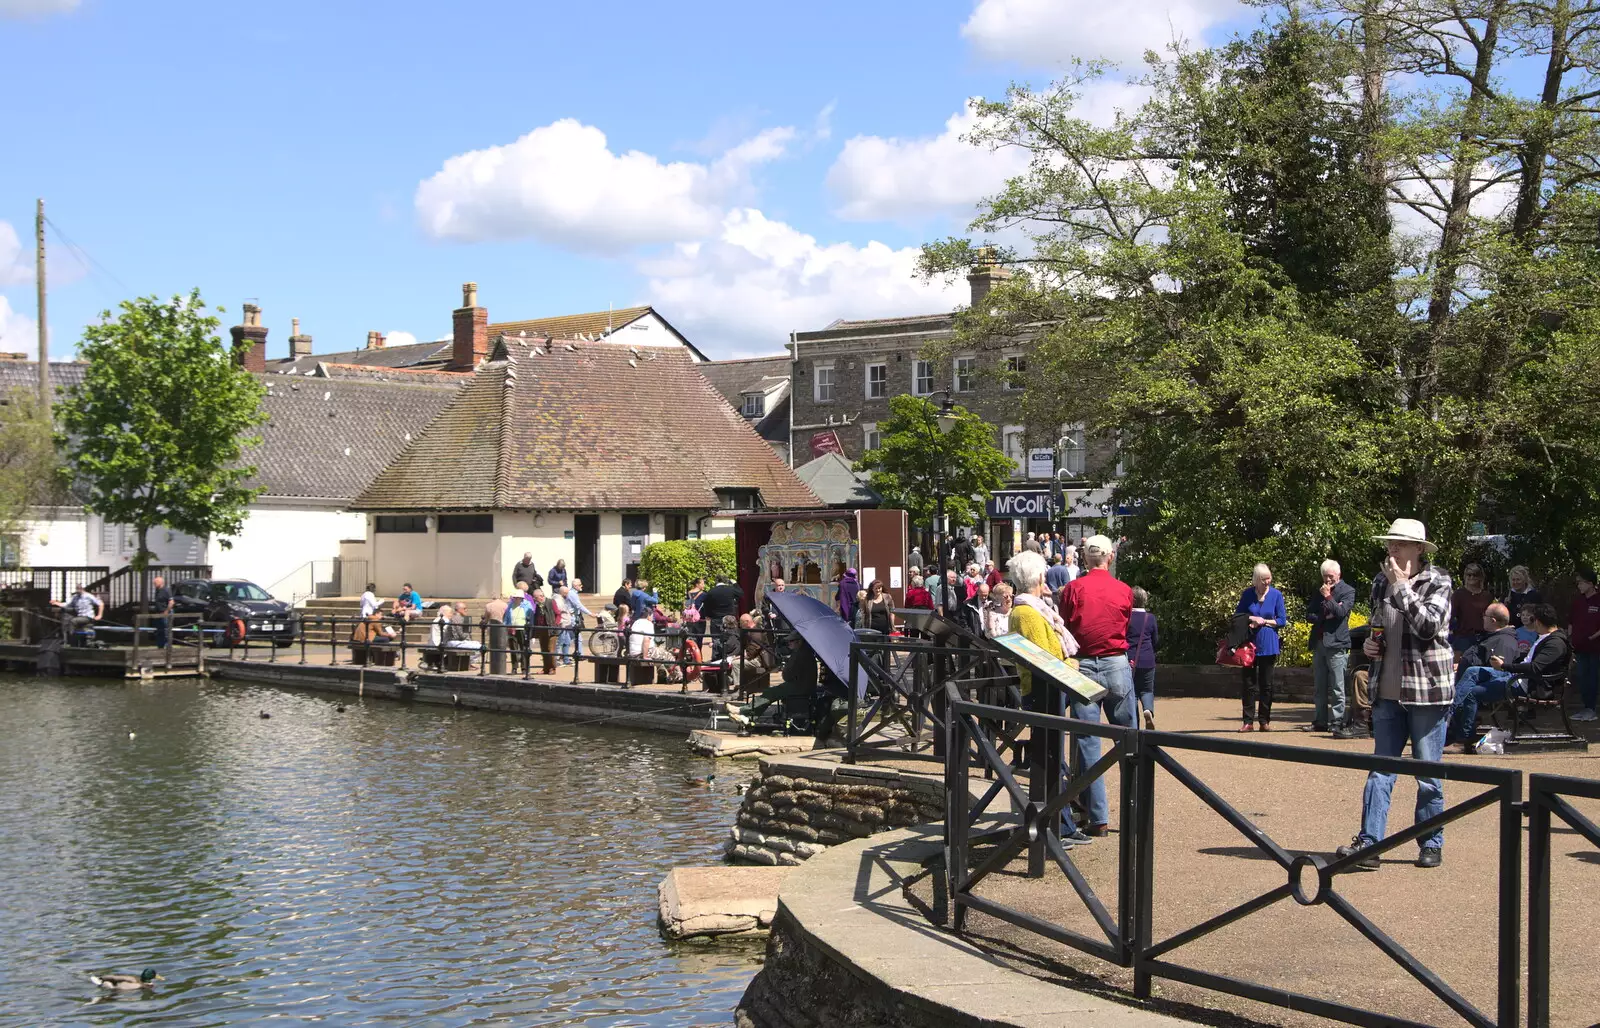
1144 686
1117 677
1393 724
1327 671
565 643
1475 687
1586 675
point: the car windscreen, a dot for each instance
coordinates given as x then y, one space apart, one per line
239 591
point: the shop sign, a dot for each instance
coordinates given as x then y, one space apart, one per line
1020 505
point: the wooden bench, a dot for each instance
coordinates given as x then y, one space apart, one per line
607 670
447 659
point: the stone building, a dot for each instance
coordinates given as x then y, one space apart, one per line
758 388
844 376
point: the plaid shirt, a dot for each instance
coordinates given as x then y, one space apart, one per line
1427 673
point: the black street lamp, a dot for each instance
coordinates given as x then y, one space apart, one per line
946 422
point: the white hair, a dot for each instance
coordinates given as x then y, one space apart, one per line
1027 570
1258 571
1331 567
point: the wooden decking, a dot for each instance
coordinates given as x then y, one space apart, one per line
107 661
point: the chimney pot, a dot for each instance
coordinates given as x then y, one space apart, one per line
469 294
985 274
299 345
375 340
250 340
294 326
469 331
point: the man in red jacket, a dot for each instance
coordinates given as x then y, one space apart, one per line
1095 607
1585 633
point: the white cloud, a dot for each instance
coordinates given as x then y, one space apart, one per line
562 184
758 280
1047 33
1493 200
14 268
18 332
878 179
399 339
36 8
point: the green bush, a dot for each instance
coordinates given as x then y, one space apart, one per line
671 567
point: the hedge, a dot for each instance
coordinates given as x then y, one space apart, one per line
671 567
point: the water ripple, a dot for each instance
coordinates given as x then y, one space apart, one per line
391 865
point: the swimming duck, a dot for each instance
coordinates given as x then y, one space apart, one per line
127 982
692 780
265 715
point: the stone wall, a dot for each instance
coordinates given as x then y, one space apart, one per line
800 986
799 806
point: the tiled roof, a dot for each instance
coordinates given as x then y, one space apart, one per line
25 374
435 353
735 377
327 438
910 319
569 326
584 426
836 483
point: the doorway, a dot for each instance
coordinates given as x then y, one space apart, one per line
635 536
586 550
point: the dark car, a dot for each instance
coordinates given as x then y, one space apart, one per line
235 610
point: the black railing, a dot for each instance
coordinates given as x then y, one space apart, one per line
120 589
61 581
1546 797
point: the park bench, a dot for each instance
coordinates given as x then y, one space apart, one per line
447 659
1522 707
607 670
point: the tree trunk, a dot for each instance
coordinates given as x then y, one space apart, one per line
141 564
1536 146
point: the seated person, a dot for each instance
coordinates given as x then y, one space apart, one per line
456 634
641 635
918 596
1498 639
1544 666
789 704
84 608
371 630
408 604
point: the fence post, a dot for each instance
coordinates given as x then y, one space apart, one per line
1144 832
850 740
302 638
1538 906
957 815
1510 915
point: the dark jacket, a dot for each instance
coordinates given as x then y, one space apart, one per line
523 572
1143 638
1501 643
720 601
558 576
1548 666
964 554
1330 618
623 595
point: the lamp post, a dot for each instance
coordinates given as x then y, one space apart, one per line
945 420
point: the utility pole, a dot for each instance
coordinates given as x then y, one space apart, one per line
44 339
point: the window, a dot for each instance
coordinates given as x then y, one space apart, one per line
739 499
677 526
1016 372
1013 442
401 523
870 440
1074 458
466 522
240 591
921 378
877 381
755 405
823 389
10 551
193 590
964 374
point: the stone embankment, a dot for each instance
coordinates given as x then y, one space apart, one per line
801 805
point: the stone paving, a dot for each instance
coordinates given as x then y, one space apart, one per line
1203 866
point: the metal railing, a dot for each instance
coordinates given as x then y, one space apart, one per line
121 588
1546 798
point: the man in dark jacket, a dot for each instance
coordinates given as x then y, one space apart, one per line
1329 610
720 601
963 554
624 594
1499 639
1544 668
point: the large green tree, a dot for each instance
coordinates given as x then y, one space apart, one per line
915 462
157 433
29 467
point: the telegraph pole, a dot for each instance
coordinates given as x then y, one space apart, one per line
44 339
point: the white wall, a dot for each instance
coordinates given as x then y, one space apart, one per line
647 331
56 538
276 544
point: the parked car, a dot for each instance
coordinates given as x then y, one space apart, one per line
237 610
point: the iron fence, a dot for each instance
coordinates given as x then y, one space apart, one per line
1547 799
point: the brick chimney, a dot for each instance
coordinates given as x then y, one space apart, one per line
470 325
250 341
299 345
985 274
375 340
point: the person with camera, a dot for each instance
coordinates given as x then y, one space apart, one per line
1412 684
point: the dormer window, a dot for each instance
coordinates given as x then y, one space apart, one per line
755 405
738 499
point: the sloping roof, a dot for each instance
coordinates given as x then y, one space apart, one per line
25 375
435 353
584 426
735 377
327 438
836 483
568 326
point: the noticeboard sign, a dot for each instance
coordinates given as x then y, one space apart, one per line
1038 660
1041 462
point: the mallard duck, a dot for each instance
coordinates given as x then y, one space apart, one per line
127 982
692 780
265 715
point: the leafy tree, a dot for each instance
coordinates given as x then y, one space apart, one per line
672 565
156 433
914 462
29 466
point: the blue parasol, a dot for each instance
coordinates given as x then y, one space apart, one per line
823 630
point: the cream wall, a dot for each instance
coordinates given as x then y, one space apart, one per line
56 538
277 542
519 533
610 555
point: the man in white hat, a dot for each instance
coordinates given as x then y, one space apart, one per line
1412 684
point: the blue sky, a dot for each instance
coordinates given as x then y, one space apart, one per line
752 169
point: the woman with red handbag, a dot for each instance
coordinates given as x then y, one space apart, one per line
1263 606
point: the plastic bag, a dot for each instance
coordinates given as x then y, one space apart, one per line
1494 741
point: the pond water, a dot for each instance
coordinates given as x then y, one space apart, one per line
392 864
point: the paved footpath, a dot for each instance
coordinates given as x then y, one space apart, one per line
1203 866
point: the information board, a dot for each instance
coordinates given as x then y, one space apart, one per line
1039 661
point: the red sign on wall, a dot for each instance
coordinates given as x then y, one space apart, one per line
826 442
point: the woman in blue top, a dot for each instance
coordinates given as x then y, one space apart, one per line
1264 606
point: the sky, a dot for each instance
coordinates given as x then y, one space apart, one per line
749 169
